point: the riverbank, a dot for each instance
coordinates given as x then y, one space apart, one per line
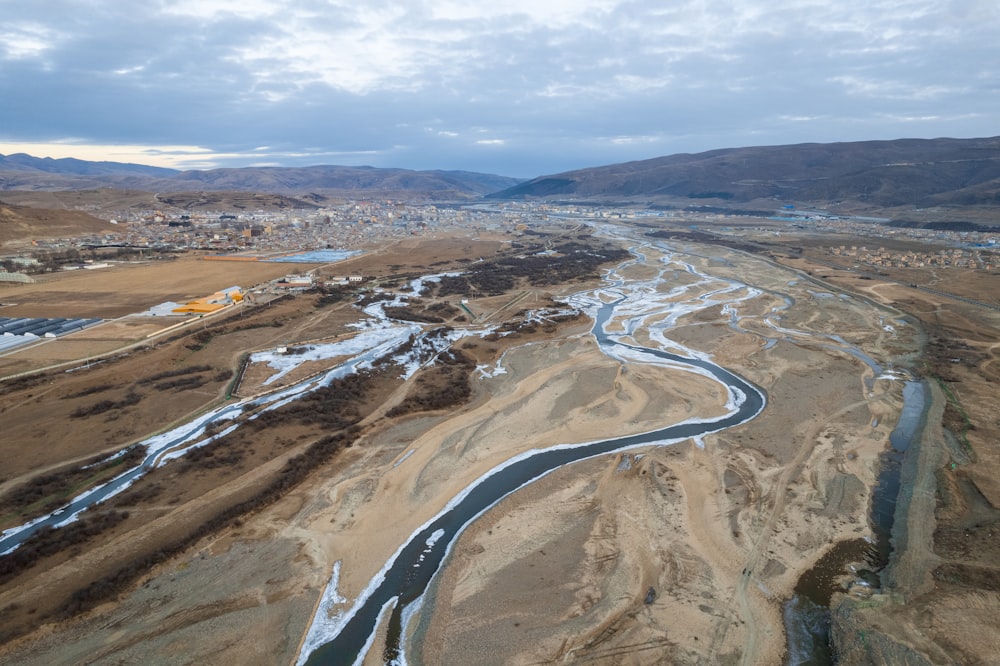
915 619
942 596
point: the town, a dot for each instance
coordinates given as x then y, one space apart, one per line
353 225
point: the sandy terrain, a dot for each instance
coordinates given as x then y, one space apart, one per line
721 533
720 529
945 569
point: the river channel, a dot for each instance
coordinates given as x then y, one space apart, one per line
807 613
177 441
406 576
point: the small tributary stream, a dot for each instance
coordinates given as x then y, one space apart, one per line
807 613
177 441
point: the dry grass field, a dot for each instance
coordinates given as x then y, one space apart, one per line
143 385
131 288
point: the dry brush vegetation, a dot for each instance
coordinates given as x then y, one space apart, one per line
306 434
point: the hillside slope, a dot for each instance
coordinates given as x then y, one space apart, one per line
23 172
904 172
23 223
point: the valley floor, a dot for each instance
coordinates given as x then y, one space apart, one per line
720 529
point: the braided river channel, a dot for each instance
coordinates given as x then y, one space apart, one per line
406 576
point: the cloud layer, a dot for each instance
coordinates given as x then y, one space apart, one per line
518 88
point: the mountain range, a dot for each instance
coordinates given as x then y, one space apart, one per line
24 172
872 175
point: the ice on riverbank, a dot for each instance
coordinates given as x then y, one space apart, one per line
326 621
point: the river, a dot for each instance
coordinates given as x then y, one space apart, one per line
398 588
807 613
400 585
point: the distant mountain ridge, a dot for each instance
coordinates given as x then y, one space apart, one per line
71 166
24 172
341 178
903 172
896 174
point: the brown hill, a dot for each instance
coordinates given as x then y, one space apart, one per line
26 173
119 202
237 201
20 223
339 180
882 174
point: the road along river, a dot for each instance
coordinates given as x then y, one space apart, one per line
399 586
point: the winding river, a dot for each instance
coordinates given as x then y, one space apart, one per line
402 582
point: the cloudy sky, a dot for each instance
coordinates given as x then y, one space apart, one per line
515 87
